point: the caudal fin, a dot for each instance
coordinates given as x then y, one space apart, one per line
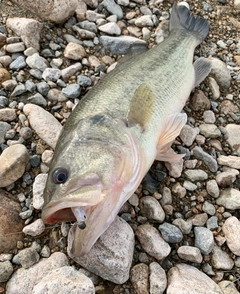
183 19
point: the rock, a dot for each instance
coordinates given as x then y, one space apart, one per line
196 175
19 89
203 240
72 91
37 62
212 223
113 8
13 161
190 253
229 198
151 208
111 256
237 4
170 233
199 102
228 107
121 44
157 278
228 287
3 40
220 73
188 135
214 88
33 275
56 95
184 226
144 21
4 127
6 269
152 242
231 161
179 190
226 178
74 51
11 223
7 114
183 277
209 117
231 230
206 158
110 28
65 279
175 167
71 70
199 219
15 47
38 99
57 11
18 63
38 188
28 257
51 74
212 188
34 229
45 125
209 130
28 29
221 259
139 278
208 208
233 137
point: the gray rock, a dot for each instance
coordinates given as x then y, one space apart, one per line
111 28
152 242
203 240
26 214
231 230
35 61
212 223
88 25
190 253
30 86
229 198
183 277
18 63
189 186
36 73
209 131
65 279
220 73
170 233
221 259
144 21
111 256
28 257
196 175
4 127
212 188
121 44
113 8
209 117
19 89
72 91
38 188
157 278
214 88
227 177
84 34
206 158
51 74
71 70
13 161
184 226
15 47
6 269
43 88
151 208
188 135
208 208
46 126
34 274
45 252
38 99
84 81
199 219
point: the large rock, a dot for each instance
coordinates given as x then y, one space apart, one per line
183 279
57 11
11 223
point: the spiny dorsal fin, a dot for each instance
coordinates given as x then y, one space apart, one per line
141 107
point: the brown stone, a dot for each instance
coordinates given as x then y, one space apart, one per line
139 278
199 102
3 39
4 75
11 223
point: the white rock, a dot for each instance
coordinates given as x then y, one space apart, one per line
158 279
212 188
233 137
214 88
220 72
28 29
184 278
221 259
190 253
45 124
144 21
188 135
229 198
231 230
64 280
110 28
231 161
38 188
228 287
34 229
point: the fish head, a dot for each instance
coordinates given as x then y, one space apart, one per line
92 174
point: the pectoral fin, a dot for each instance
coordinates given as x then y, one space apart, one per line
202 68
171 130
141 107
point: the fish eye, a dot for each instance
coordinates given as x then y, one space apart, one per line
60 175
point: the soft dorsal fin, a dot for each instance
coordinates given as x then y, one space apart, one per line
141 107
202 68
134 50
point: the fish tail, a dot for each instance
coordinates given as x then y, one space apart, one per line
183 19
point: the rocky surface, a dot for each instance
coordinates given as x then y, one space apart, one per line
184 215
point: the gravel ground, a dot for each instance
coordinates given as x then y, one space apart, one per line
184 216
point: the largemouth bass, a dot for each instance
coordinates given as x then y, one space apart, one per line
125 122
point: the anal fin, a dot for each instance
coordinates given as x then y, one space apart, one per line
202 68
170 131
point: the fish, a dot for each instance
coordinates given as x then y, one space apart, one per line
127 120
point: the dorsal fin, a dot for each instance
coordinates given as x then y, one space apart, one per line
133 51
141 107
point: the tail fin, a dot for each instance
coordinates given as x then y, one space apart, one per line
183 19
